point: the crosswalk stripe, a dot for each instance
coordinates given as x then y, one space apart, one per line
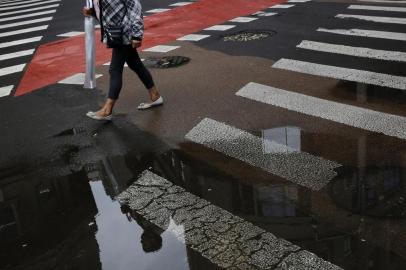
22 31
29 5
363 7
11 69
6 90
377 19
224 239
341 73
370 120
27 10
20 3
16 54
27 15
310 171
353 51
384 1
366 33
20 42
25 22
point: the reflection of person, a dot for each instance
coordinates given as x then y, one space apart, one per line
151 239
127 16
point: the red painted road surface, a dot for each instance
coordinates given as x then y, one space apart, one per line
55 61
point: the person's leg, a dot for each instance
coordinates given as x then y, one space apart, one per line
134 63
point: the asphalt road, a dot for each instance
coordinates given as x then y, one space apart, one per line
280 144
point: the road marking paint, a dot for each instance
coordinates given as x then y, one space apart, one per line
264 14
22 31
193 37
11 69
29 5
282 6
16 54
71 34
5 91
158 10
384 1
224 239
243 19
298 1
309 171
362 7
341 73
19 3
353 51
366 33
377 19
161 48
108 64
27 10
181 4
27 15
370 120
78 79
219 27
20 41
25 22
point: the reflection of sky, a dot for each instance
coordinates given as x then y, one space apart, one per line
119 240
287 136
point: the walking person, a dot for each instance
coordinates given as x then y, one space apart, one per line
122 29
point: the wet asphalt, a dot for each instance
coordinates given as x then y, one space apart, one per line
61 173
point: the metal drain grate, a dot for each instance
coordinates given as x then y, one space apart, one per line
244 36
166 62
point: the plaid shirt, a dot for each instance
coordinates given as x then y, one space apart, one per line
127 13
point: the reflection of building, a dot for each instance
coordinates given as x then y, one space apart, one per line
44 222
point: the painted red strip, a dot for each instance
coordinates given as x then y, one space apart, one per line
55 61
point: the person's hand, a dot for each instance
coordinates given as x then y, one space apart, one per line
136 44
87 12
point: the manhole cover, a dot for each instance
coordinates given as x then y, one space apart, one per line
166 62
249 35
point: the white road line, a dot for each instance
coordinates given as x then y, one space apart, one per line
309 171
20 3
243 19
298 1
5 91
158 10
28 10
22 31
27 15
161 48
341 73
384 1
16 54
181 4
377 19
193 37
362 7
29 5
366 33
77 79
20 42
264 14
219 27
282 6
11 69
71 34
374 121
353 51
25 22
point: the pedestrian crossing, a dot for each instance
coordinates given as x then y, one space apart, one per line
22 24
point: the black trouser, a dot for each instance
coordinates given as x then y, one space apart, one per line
129 55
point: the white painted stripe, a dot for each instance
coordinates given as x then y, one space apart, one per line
161 48
71 34
341 73
16 54
27 15
126 65
77 79
27 10
362 7
20 42
353 51
384 1
282 6
181 4
298 1
158 10
11 69
388 124
22 31
309 171
193 37
366 33
25 22
264 14
377 19
5 91
243 19
20 3
29 5
219 27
